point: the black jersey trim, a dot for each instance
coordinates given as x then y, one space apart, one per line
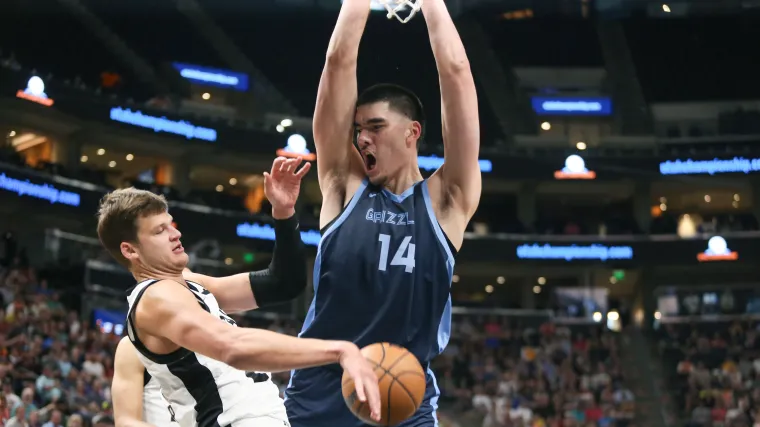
454 250
200 383
365 184
146 378
161 359
324 229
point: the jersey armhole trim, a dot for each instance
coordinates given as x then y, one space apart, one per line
442 238
161 359
335 223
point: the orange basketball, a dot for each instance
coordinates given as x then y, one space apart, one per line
402 385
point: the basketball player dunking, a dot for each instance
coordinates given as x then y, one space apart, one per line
180 327
371 283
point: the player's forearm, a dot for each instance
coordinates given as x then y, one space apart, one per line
344 43
262 350
448 49
286 276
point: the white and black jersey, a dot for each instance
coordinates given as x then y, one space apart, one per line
202 391
156 410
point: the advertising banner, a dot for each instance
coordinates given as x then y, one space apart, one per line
78 199
612 250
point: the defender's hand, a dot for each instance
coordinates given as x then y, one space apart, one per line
365 381
283 184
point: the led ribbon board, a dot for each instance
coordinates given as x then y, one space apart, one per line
574 252
38 191
709 167
162 124
561 106
266 232
431 163
213 76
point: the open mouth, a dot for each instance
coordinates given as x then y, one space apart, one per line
178 248
370 160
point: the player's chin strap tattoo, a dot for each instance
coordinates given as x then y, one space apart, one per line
285 278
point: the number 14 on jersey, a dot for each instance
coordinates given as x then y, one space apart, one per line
403 255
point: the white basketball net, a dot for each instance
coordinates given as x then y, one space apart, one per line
395 7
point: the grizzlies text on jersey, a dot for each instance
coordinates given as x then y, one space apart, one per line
382 274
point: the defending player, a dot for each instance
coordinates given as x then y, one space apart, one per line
137 398
180 327
384 267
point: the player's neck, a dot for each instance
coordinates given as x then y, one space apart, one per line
405 180
155 274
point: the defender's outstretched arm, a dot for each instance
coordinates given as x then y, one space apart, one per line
336 98
459 109
169 310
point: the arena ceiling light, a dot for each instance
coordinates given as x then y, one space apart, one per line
297 147
575 168
35 92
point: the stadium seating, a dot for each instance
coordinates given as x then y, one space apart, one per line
497 371
713 371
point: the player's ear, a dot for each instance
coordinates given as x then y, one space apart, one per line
413 134
128 251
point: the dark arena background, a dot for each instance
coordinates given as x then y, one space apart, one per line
609 277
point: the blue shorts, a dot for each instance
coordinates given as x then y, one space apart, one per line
314 399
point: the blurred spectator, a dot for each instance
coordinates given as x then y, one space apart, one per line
56 367
714 368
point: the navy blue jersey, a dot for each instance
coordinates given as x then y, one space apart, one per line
382 274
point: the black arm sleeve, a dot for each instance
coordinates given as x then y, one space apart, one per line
285 278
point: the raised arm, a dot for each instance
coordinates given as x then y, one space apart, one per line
286 276
283 280
169 310
127 386
333 121
459 109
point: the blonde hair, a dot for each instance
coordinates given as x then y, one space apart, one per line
118 214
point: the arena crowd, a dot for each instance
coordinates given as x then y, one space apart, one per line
715 372
56 366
